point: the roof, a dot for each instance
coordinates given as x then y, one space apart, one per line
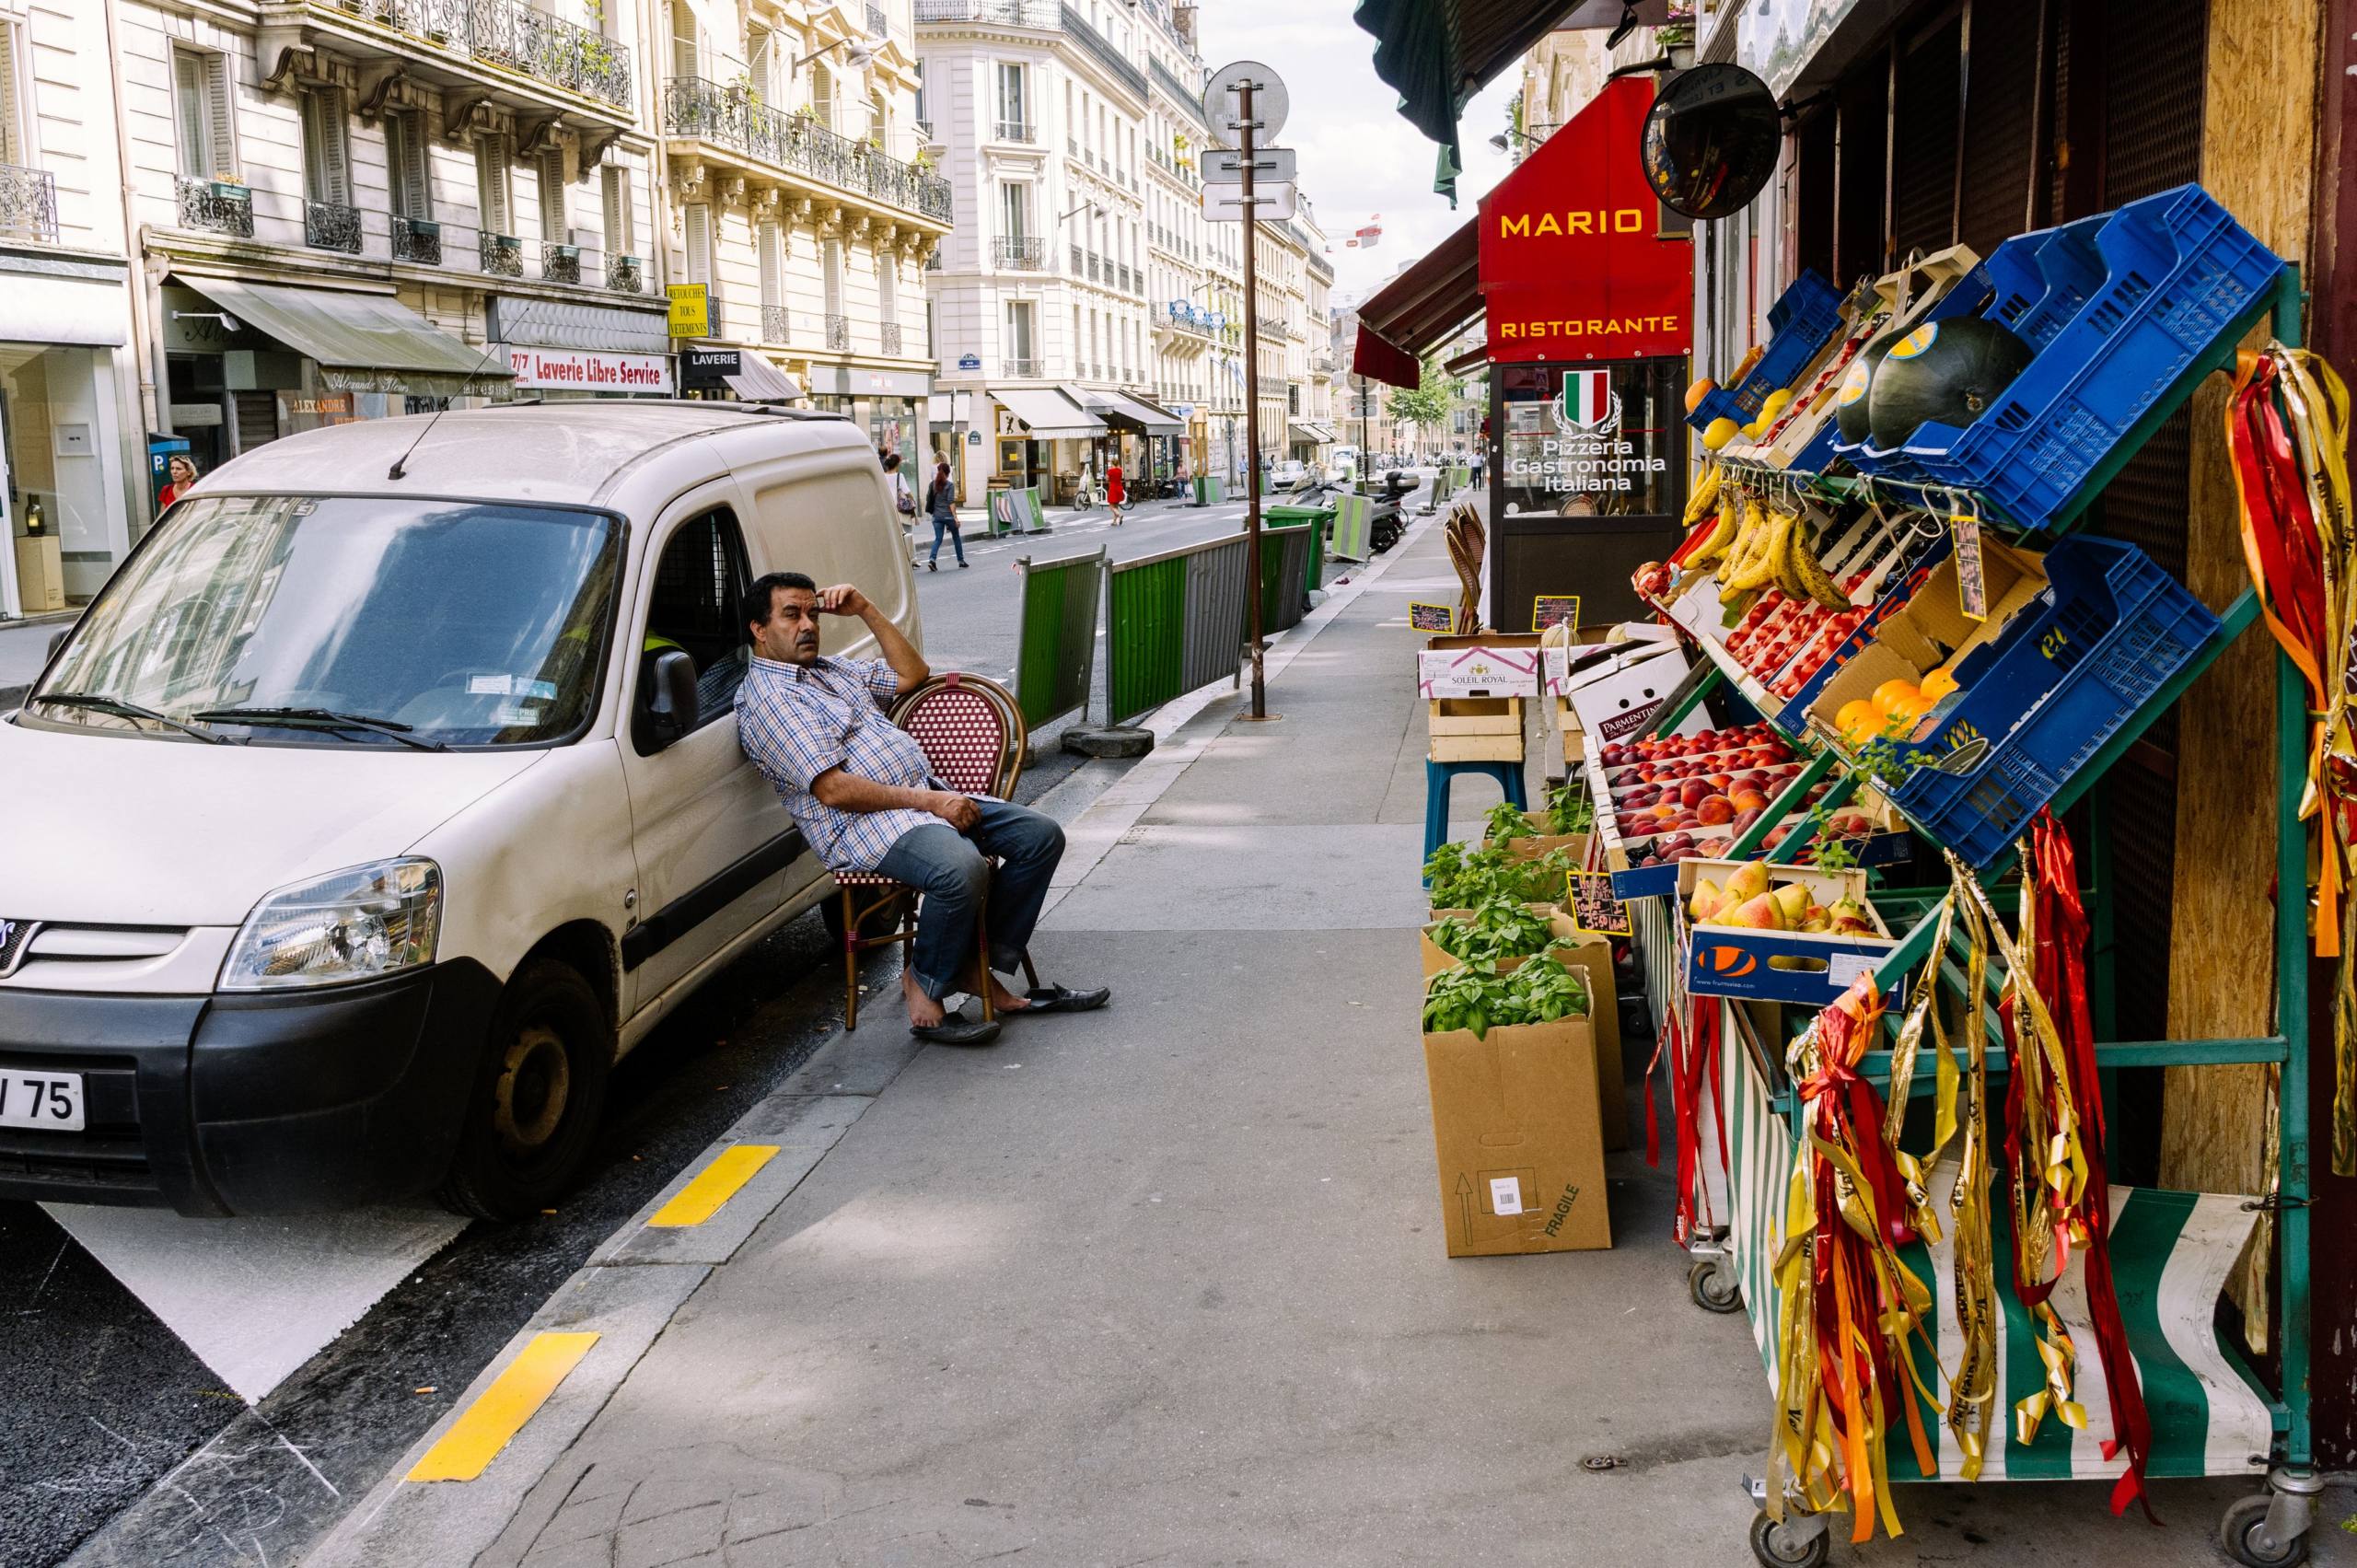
569 452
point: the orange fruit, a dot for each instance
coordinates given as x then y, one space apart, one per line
1938 684
1697 392
1888 695
1856 714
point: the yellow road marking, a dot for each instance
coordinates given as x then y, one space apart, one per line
718 1183
493 1420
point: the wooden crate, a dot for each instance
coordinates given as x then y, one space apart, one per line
1567 725
1476 729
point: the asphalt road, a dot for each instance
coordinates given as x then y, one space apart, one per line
105 1406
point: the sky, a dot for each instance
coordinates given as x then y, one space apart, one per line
1358 158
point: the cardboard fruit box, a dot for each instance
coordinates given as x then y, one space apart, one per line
1591 953
1807 967
1476 686
1517 1138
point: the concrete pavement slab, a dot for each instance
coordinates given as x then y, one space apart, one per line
801 1128
1346 877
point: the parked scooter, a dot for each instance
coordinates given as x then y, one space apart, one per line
1386 518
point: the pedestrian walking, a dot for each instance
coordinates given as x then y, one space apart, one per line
180 473
904 501
941 503
1113 491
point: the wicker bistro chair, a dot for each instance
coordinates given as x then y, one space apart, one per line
973 737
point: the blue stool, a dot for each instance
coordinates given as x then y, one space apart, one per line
1439 776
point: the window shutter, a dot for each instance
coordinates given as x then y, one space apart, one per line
834 277
189 118
696 225
757 59
553 214
221 126
772 280
315 178
617 193
887 285
490 184
416 186
12 149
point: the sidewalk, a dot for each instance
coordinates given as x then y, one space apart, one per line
1165 1283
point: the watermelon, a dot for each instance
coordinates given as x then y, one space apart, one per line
1850 402
1943 372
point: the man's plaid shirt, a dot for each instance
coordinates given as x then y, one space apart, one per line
797 721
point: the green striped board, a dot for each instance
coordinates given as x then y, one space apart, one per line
2171 1254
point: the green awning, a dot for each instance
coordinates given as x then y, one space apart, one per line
361 342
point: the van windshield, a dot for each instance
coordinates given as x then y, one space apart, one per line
308 620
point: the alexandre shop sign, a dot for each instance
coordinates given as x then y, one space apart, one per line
587 370
1570 268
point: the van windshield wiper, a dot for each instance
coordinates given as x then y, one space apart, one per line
99 703
321 718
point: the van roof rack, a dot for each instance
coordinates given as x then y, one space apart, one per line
781 410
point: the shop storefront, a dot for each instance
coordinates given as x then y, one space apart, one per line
891 405
1588 300
1043 437
725 371
563 351
63 384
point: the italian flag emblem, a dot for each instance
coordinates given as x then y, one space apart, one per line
1586 399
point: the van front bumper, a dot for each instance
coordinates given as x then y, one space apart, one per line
251 1104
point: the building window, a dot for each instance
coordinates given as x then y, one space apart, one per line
327 161
923 118
834 278
770 241
1019 337
410 191
615 180
685 54
760 60
695 226
493 197
1014 211
1013 104
822 97
888 286
205 137
14 144
556 226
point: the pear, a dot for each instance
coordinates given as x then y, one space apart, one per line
1758 913
1850 918
1817 918
1705 901
1791 903
1747 883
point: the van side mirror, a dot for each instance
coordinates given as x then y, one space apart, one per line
667 700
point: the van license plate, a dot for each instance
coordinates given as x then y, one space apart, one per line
50 1102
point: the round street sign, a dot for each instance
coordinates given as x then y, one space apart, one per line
1270 102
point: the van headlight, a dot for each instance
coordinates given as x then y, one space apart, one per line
356 925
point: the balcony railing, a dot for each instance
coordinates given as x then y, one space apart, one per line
214 205
888 337
515 36
877 23
626 275
1089 39
1192 97
1020 254
1002 13
560 263
777 324
29 204
328 225
924 131
1096 268
500 254
932 259
417 239
710 111
1076 262
1013 366
839 333
1017 131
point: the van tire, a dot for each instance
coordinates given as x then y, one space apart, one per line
537 1098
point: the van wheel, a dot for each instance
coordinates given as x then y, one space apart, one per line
537 1098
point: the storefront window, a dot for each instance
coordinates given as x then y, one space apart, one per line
1591 440
59 441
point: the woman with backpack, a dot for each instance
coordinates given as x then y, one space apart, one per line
941 503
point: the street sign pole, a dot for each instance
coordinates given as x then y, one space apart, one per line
1251 399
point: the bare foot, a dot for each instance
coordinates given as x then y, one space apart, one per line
925 1012
1002 999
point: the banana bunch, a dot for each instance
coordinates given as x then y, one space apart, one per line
1751 561
1706 493
1804 577
1723 534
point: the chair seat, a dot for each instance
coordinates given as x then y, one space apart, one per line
863 879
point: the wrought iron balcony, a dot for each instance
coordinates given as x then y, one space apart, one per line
28 205
839 333
1017 131
502 254
708 111
777 324
1020 254
328 225
514 36
1096 267
1076 27
888 337
1076 262
626 275
560 263
417 239
1009 366
214 205
1000 13
877 24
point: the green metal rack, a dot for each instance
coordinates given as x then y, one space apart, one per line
2271 1528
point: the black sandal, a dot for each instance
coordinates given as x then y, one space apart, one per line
1060 999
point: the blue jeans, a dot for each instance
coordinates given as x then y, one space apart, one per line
955 538
953 871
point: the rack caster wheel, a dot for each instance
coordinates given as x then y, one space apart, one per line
2247 1541
1797 1543
1712 1288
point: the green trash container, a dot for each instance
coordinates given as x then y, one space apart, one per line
1319 518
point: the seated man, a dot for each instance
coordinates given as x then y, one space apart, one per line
860 791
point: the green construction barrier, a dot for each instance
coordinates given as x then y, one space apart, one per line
1035 518
1350 529
1320 520
1056 638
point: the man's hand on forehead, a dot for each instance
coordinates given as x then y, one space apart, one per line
841 599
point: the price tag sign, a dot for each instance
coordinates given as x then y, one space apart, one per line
1555 609
1972 578
1594 909
1439 617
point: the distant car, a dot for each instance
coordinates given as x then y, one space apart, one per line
1288 474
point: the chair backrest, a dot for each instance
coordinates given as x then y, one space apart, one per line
973 735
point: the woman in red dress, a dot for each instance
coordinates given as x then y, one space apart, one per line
1113 494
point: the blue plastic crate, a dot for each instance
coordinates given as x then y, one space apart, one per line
2108 632
1802 322
2124 309
1969 296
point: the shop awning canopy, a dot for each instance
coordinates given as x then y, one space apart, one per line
1050 413
363 343
1438 54
1316 435
1437 298
758 382
1127 413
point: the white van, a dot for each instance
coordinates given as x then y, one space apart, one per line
390 791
